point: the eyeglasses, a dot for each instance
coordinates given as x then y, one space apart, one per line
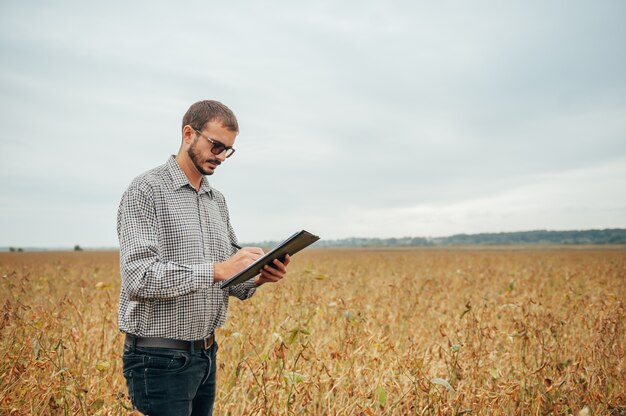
218 147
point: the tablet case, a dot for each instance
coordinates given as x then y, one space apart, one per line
290 246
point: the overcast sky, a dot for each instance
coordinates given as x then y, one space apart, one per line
358 118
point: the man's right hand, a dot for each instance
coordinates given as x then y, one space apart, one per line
240 260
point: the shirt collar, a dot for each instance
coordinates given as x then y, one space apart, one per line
179 179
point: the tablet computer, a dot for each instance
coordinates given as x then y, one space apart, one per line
290 246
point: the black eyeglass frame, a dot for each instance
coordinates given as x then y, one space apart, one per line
218 147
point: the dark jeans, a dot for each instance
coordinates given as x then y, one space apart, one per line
170 382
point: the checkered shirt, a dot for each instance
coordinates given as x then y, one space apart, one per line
170 235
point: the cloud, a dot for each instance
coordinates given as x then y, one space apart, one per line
368 118
546 201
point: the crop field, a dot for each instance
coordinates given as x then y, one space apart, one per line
347 332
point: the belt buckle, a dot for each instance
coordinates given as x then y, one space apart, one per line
208 342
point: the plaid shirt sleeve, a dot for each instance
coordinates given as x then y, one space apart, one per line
145 276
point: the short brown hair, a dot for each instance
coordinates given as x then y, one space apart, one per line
202 112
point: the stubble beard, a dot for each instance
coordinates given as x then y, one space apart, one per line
198 160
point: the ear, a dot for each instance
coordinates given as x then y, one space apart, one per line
188 134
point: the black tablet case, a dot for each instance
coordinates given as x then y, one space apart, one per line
291 246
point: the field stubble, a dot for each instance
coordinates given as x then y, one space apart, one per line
347 332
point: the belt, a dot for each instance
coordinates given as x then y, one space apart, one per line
176 344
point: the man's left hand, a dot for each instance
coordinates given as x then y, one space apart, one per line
273 273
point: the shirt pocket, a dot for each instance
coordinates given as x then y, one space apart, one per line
180 233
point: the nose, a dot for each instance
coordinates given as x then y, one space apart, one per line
222 156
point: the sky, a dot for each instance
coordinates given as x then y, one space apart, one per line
357 118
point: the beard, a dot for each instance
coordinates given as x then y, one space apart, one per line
198 160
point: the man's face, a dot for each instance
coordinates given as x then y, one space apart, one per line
199 150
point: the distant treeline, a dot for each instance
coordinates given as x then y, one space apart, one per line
539 237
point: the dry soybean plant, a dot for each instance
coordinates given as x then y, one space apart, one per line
348 332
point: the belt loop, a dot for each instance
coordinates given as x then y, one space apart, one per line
133 342
192 347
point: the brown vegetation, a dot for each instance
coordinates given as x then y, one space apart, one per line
348 332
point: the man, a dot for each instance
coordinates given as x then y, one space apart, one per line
176 245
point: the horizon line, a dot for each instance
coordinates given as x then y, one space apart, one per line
6 248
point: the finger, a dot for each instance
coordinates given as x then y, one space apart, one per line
251 253
287 260
270 277
278 266
255 250
273 270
